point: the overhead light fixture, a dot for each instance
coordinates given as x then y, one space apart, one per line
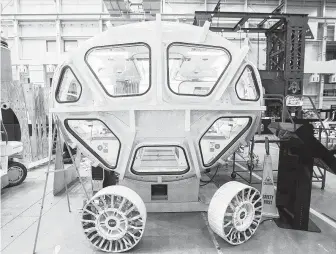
332 78
314 78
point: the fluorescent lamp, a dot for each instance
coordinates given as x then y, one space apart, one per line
205 53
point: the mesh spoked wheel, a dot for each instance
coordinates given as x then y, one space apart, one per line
235 212
114 219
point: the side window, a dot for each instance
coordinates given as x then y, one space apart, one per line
165 160
69 88
97 138
220 136
122 70
247 86
195 69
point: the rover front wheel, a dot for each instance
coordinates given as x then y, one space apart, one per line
114 219
235 212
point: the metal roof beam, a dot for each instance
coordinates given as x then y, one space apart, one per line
230 29
240 24
204 15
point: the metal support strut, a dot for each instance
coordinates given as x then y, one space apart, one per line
59 133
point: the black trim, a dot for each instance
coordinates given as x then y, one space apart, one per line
254 80
87 146
204 46
119 45
160 173
60 83
228 145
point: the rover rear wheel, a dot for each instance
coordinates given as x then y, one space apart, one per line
235 212
114 219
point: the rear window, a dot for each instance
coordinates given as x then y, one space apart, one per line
163 160
195 70
122 70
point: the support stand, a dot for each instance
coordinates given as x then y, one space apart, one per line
294 186
58 146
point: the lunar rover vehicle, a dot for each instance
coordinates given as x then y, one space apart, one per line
158 103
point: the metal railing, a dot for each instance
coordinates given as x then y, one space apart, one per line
319 117
3 131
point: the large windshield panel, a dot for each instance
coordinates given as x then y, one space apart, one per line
122 70
195 69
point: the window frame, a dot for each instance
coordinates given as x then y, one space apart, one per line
201 45
254 80
248 125
120 45
74 134
59 83
158 173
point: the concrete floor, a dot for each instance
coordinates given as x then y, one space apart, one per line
165 232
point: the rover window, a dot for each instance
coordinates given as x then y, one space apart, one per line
195 70
69 88
156 160
247 85
122 70
220 136
97 138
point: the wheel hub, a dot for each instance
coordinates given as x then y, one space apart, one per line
243 216
112 224
14 174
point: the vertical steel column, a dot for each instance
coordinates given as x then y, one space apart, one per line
294 54
58 39
323 56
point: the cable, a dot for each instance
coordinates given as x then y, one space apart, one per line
265 220
211 179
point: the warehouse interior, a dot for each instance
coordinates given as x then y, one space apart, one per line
172 126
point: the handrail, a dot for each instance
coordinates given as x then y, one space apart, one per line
4 131
319 117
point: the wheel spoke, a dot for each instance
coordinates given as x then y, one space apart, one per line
87 230
99 209
256 201
135 218
130 210
112 201
102 198
92 237
88 211
122 204
228 214
101 243
252 197
88 221
227 224
135 227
